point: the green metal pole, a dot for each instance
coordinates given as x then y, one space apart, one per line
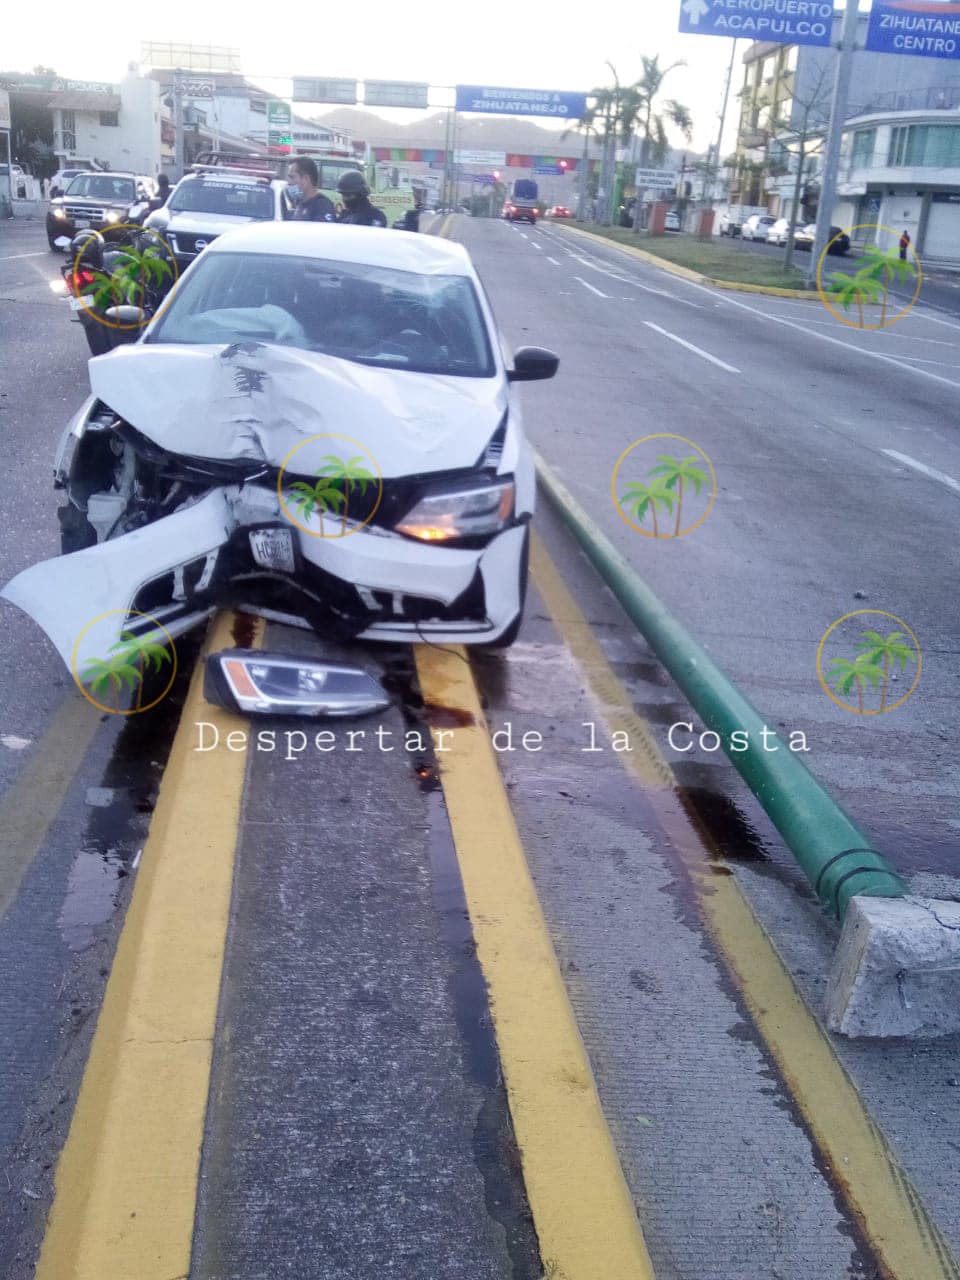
833 852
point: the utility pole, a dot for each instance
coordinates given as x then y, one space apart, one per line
831 157
179 152
715 176
584 171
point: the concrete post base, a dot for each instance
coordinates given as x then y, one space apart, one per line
897 969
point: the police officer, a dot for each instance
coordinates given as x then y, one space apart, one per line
357 209
313 205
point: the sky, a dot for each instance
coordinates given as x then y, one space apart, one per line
545 46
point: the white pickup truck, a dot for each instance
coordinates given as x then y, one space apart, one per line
733 218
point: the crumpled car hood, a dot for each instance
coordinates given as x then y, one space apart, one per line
259 401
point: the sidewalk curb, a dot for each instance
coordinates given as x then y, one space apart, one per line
686 273
896 971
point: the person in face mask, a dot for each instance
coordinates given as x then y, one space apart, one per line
313 205
357 209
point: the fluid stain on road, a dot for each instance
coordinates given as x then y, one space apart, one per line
117 830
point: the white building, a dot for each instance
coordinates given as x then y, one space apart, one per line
901 170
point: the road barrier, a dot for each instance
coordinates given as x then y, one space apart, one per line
833 852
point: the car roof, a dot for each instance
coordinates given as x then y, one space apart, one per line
371 246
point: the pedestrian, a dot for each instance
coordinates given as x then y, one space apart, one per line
357 210
313 205
904 245
163 190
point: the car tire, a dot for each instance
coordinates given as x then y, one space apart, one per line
511 633
98 339
53 247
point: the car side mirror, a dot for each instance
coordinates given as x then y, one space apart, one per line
533 364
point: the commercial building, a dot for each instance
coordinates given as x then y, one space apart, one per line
898 161
56 120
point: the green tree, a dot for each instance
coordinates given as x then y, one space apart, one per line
846 674
641 498
648 89
322 496
348 473
674 472
879 649
858 288
884 268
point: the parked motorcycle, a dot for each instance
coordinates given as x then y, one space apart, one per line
114 292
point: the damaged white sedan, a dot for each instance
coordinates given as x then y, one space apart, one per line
319 428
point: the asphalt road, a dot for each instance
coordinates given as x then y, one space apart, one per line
940 290
838 470
357 1119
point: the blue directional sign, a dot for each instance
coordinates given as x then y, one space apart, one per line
919 28
774 21
520 102
547 170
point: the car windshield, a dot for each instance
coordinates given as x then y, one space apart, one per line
368 314
223 195
102 186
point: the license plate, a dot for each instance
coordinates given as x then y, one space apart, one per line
81 222
273 549
79 304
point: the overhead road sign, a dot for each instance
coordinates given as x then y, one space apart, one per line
491 158
918 28
773 21
520 102
309 89
394 93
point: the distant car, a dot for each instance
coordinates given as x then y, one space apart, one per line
777 234
757 226
840 240
729 226
18 180
559 211
519 213
96 200
671 221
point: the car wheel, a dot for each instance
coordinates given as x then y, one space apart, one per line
53 247
511 633
98 339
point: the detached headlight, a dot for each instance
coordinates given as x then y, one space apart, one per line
112 216
469 513
59 212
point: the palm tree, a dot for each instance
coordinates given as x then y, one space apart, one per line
876 648
649 88
641 498
349 473
858 288
116 671
311 497
674 471
884 268
847 674
148 654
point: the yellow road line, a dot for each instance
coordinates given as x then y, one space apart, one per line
874 1185
582 1209
126 1181
34 799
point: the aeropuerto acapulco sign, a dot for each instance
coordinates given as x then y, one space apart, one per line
776 21
919 28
